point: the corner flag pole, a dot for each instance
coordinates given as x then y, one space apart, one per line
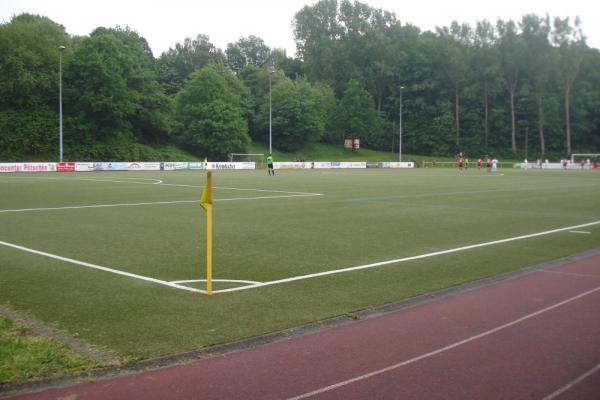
207 203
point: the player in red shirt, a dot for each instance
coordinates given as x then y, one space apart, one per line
488 165
479 164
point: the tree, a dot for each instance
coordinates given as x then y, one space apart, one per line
511 53
209 115
247 51
29 61
453 59
177 64
112 93
571 44
359 118
535 35
316 33
486 68
297 114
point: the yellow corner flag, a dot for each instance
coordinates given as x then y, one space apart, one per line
206 201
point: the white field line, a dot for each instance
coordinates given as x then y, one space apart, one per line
435 194
127 180
96 206
215 280
254 284
159 182
153 203
399 260
405 174
584 232
450 347
99 267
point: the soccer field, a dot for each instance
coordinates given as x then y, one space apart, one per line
119 258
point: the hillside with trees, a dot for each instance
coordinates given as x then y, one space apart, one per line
508 88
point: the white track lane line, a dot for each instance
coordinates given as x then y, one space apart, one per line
443 349
572 383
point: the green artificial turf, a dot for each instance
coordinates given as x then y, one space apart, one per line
360 217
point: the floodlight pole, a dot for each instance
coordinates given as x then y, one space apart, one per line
60 122
400 133
270 115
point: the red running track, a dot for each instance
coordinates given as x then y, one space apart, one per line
532 337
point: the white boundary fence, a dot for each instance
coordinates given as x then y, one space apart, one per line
181 165
247 165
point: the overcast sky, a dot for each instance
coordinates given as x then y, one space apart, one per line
164 23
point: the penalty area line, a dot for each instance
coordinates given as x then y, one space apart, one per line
405 259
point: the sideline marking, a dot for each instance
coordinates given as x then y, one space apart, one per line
161 183
293 278
96 206
155 203
98 267
572 383
129 180
450 347
399 260
419 176
216 280
585 232
434 194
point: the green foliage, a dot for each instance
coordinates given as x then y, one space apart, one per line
24 356
513 87
359 118
297 114
498 79
177 64
210 115
29 63
111 85
247 51
24 136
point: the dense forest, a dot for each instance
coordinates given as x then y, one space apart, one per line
509 88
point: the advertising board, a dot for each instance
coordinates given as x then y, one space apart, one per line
84 166
173 166
396 164
27 167
143 166
291 165
111 166
231 165
196 165
65 167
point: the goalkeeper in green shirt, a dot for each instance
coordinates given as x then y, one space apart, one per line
270 168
